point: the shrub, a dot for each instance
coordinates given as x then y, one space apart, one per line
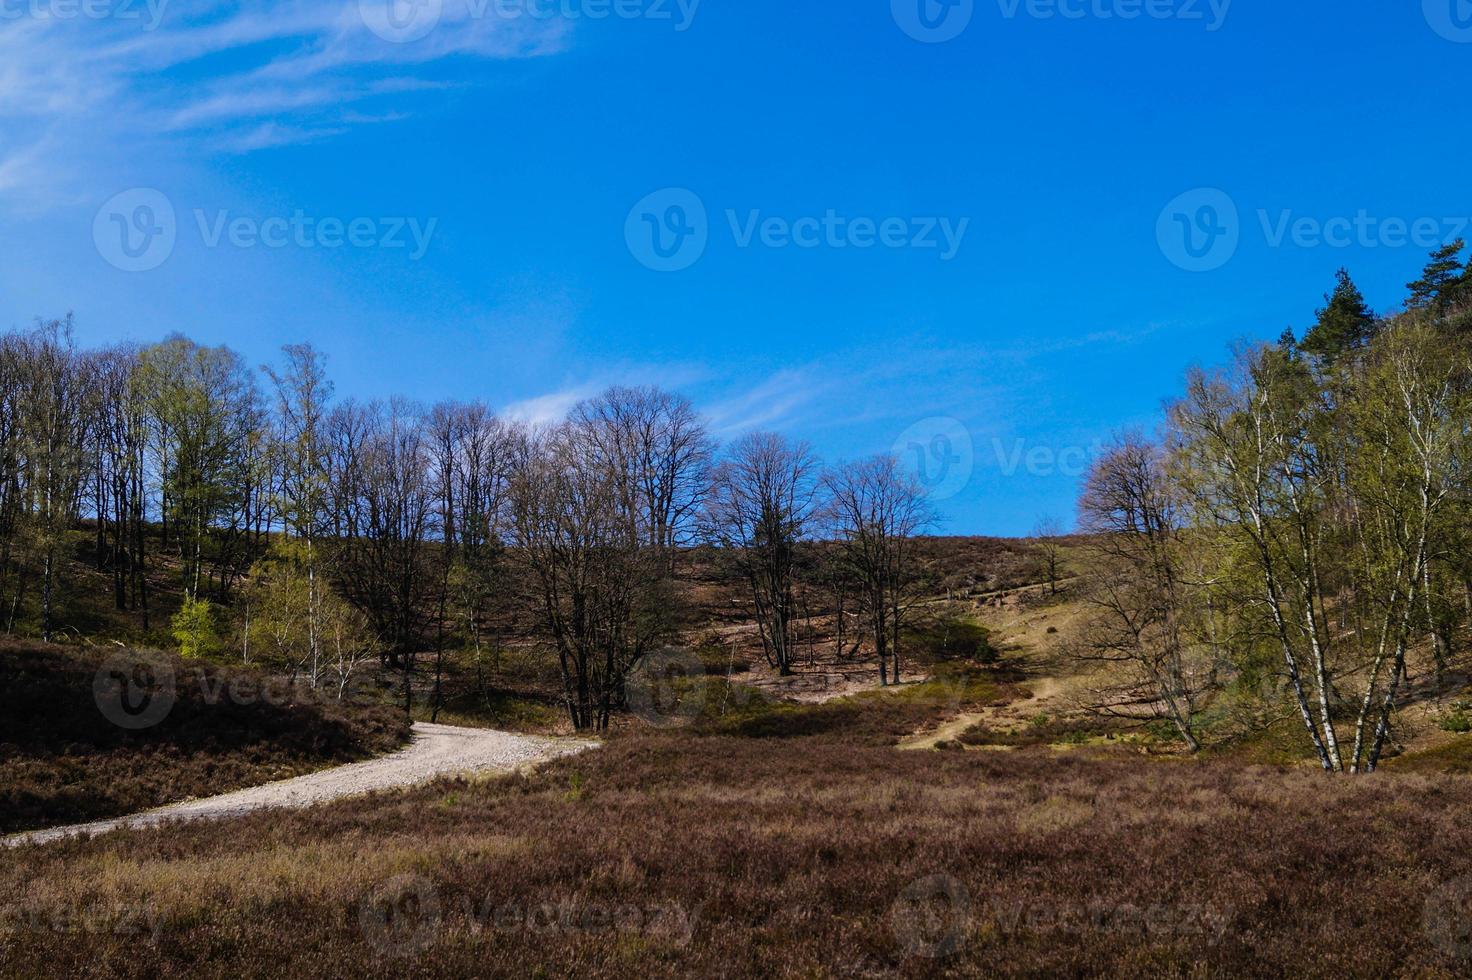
1457 721
194 627
952 639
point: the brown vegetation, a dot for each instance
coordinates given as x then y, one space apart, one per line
62 760
665 856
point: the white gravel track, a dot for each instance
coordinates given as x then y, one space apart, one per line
437 750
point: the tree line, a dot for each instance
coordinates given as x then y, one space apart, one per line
1297 531
325 534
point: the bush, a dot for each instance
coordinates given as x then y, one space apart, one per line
953 639
1457 722
194 627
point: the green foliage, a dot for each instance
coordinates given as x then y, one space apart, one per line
1457 720
1440 281
1345 323
194 627
951 639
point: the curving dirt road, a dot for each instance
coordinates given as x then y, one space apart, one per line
437 750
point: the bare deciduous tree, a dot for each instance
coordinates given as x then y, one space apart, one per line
761 505
657 445
1137 626
599 585
1045 541
875 509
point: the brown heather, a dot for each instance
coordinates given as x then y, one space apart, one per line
673 855
62 761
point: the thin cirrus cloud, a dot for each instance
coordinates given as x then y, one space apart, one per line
224 77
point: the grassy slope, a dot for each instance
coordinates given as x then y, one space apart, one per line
62 761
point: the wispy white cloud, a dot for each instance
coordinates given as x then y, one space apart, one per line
226 78
769 404
551 408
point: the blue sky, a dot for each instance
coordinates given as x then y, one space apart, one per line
495 172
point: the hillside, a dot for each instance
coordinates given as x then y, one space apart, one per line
102 732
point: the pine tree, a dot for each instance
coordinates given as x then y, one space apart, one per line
1344 324
1439 281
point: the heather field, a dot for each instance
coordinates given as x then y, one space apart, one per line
672 855
65 758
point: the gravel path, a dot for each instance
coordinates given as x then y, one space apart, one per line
437 750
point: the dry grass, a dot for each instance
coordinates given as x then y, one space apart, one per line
665 855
